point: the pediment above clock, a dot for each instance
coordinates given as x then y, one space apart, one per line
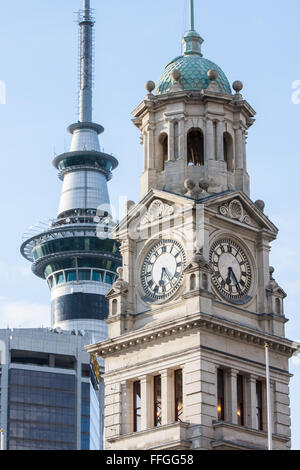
117 289
238 208
155 207
274 289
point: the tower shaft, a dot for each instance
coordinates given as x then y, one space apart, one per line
76 255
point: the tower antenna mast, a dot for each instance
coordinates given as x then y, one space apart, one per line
192 11
86 23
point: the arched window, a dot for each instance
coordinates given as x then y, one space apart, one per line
205 282
114 307
228 151
195 147
193 282
163 151
278 306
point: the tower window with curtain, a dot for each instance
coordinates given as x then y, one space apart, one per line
228 151
221 394
136 406
195 147
259 407
163 151
157 401
240 400
178 395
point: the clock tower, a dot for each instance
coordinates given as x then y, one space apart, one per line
196 300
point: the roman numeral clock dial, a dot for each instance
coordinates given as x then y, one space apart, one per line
162 270
232 271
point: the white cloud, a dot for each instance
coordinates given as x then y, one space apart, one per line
18 314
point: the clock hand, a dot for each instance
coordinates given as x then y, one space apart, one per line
163 272
236 281
228 280
169 276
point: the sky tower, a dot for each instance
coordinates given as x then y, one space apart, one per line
75 254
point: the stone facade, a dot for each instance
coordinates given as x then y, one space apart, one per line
198 332
185 358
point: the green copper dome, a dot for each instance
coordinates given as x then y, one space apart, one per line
193 70
193 67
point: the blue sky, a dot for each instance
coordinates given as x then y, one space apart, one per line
256 42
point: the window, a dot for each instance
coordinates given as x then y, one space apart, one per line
75 244
97 276
114 308
259 407
84 275
228 151
278 306
163 151
136 406
193 282
221 395
240 400
157 401
195 147
60 278
178 396
109 278
71 276
204 281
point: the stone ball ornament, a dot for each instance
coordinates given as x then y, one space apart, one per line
237 86
176 75
204 185
189 184
150 86
212 75
260 205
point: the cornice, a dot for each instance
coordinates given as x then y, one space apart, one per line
199 321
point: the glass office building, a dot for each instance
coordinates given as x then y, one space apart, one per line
51 398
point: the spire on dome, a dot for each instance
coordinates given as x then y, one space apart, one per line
192 40
192 15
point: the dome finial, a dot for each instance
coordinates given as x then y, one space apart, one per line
192 11
192 40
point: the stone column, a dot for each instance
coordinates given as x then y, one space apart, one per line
171 141
263 261
282 420
220 141
146 402
150 146
123 407
239 149
251 404
167 396
128 415
145 146
209 140
232 398
181 138
245 150
127 252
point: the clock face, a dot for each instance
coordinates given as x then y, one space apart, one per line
232 271
162 269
